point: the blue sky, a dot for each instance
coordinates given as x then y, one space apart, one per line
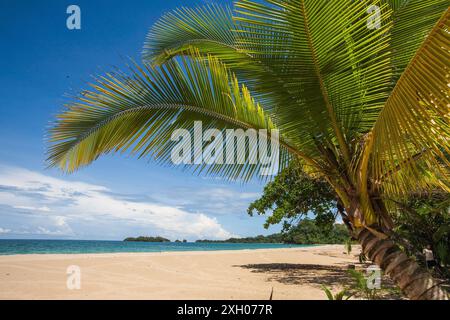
41 63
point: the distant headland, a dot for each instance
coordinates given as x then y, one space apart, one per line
146 239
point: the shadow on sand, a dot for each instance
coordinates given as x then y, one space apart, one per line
315 275
295 274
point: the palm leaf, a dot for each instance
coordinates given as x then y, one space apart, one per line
328 292
411 138
211 30
208 28
412 21
138 113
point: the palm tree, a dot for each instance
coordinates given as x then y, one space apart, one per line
359 91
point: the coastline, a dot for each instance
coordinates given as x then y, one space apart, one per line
26 247
153 253
293 273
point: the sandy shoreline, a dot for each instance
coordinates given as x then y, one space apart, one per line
293 273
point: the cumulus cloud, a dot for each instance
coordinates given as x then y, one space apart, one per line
63 204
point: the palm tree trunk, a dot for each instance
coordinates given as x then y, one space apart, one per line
414 281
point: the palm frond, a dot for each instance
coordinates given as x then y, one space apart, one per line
411 138
412 21
139 113
208 28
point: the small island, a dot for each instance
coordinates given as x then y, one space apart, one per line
147 239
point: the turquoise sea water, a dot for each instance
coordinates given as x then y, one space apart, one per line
9 247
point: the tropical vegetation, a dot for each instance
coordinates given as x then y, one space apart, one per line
421 220
359 91
305 232
293 196
146 239
357 288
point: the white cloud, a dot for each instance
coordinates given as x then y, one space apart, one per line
47 232
3 231
44 208
74 201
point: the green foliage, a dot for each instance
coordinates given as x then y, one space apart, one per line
306 232
424 220
292 198
147 239
359 286
274 238
138 113
292 195
341 295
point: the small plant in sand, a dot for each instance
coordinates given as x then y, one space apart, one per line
341 295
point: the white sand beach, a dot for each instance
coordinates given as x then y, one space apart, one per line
295 273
